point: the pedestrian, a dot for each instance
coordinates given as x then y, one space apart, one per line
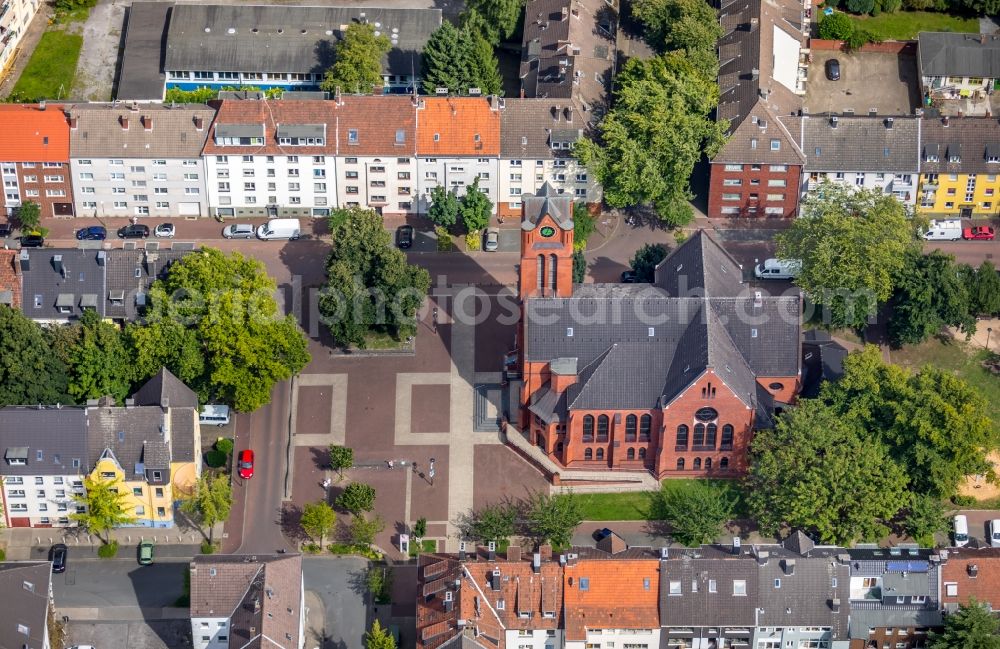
391 465
326 483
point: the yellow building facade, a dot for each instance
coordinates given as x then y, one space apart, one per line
959 168
150 503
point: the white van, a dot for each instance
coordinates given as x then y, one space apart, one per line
280 229
778 269
214 415
961 531
946 230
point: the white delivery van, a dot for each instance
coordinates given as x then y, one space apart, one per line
214 415
961 531
778 269
279 229
946 230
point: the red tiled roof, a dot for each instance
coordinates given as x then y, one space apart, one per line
10 279
385 125
32 134
985 586
619 594
458 126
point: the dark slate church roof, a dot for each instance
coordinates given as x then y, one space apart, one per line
638 346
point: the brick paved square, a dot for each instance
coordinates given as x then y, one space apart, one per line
313 416
501 474
431 409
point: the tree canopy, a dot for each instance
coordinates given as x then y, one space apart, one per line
370 285
28 216
357 64
646 259
379 638
30 372
99 363
104 507
341 457
460 58
984 290
695 511
317 519
490 523
210 502
930 292
973 626
357 497
475 208
444 208
552 517
852 243
498 17
228 302
678 24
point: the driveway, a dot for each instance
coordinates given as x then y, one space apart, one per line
102 35
340 584
155 634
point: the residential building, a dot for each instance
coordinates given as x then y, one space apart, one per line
241 600
149 448
265 46
894 596
569 52
458 141
957 65
10 279
59 284
45 458
970 573
959 163
867 152
761 78
15 16
272 158
537 137
34 158
129 274
670 378
28 605
130 162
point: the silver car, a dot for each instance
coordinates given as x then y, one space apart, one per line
165 230
491 240
238 231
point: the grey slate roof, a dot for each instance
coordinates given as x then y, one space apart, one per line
41 284
58 434
174 132
135 438
858 143
279 45
822 360
165 389
704 608
700 268
547 201
862 620
527 127
122 266
971 137
805 596
25 588
750 142
941 54
141 76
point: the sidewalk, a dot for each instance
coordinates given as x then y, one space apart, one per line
26 543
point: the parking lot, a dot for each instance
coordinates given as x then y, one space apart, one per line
886 82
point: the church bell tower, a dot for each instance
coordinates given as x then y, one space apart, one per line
546 245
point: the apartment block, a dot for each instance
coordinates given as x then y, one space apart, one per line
15 16
959 167
127 161
34 158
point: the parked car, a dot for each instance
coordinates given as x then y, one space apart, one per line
778 269
979 232
491 240
58 554
145 553
5 230
995 533
404 237
833 70
628 276
238 231
245 464
32 241
165 230
93 233
135 231
961 531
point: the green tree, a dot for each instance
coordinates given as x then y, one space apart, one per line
210 502
379 579
228 302
973 626
660 125
695 511
924 518
420 528
579 267
930 292
816 470
553 517
29 216
317 519
357 63
484 67
499 17
584 225
99 364
836 27
476 208
370 285
490 523
984 290
30 373
459 59
444 207
364 530
646 259
379 638
341 457
852 244
104 507
166 343
934 423
679 24
357 497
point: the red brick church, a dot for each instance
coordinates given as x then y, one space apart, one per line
671 377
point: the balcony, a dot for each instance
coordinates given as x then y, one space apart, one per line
4 10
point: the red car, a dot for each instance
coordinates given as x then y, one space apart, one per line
245 464
983 232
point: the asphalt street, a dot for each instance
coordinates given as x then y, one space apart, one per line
340 583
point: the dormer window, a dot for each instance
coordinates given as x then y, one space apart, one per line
992 153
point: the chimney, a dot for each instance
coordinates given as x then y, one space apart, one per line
449 601
147 122
57 264
199 123
123 120
513 553
944 121
888 122
835 604
568 114
833 121
565 13
495 579
664 553
546 551
555 113
736 545
461 550
762 556
788 565
102 257
536 563
25 263
754 74
74 122
491 547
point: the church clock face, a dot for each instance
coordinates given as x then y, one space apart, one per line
547 231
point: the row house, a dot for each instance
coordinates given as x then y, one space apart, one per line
959 167
970 574
34 158
670 378
28 604
130 162
149 449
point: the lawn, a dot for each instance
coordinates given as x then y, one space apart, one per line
49 74
634 505
905 25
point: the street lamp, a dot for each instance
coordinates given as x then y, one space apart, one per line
430 472
989 330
